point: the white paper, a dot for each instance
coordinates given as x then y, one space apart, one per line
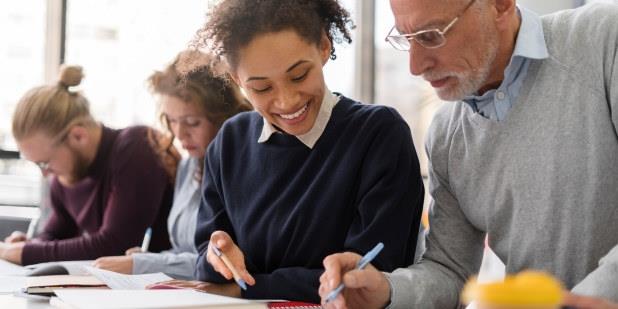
75 268
117 281
10 284
140 299
10 269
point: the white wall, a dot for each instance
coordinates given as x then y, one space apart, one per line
547 6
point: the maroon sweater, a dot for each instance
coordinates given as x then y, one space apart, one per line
125 191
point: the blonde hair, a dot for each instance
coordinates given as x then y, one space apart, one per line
52 108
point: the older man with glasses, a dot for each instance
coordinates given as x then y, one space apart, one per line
527 155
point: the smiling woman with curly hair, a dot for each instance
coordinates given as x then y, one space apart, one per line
310 172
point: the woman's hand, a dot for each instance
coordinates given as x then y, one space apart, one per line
120 264
226 245
133 250
226 289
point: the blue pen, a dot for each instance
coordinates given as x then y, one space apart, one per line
231 267
359 265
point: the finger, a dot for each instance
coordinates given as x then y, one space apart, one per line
218 265
337 303
247 277
98 263
336 264
133 250
221 240
583 302
368 278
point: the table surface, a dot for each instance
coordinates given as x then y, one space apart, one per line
17 302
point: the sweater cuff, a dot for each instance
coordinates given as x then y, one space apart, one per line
33 253
205 272
397 291
261 288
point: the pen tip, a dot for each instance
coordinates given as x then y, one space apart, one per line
242 284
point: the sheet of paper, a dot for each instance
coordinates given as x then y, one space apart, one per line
139 299
10 269
76 268
116 281
10 284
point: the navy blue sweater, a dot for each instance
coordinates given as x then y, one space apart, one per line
287 206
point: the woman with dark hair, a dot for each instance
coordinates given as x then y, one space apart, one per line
311 172
193 105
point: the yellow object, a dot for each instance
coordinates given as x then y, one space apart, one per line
528 289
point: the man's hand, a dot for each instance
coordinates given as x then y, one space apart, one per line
11 251
587 302
16 236
367 288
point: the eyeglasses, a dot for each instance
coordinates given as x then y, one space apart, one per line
44 165
430 38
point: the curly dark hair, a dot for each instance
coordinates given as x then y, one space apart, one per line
232 24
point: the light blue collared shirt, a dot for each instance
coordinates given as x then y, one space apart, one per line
530 44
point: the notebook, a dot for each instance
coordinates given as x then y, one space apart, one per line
48 285
278 304
293 305
147 299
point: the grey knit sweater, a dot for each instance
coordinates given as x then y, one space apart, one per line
543 183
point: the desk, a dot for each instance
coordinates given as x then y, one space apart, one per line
15 302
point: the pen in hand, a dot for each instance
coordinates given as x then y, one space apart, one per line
362 263
230 266
146 241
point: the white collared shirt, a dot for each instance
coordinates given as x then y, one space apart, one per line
311 137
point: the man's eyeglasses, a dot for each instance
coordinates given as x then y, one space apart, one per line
430 38
44 165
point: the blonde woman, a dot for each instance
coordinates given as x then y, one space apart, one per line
193 108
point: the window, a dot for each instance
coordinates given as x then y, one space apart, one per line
339 73
119 44
22 57
412 96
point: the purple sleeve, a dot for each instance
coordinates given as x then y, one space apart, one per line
60 224
138 186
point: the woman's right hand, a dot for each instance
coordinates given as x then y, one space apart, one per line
133 250
226 245
16 236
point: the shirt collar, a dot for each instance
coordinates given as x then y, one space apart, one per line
530 44
530 41
310 138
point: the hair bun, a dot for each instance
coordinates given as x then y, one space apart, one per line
70 75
